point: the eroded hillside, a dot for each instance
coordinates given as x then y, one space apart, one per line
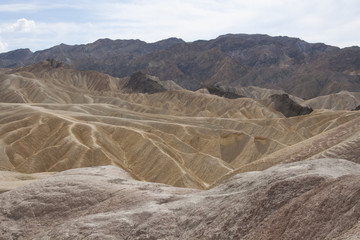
54 118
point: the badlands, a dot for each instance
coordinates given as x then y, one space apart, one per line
84 155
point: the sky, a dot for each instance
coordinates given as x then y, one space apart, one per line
40 24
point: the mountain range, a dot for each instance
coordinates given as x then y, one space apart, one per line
299 68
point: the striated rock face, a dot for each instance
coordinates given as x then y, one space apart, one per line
315 199
343 100
288 107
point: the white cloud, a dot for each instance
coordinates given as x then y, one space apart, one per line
39 5
153 20
23 25
156 19
3 46
17 7
46 35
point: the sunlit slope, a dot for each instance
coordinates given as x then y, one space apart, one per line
43 83
176 149
343 100
342 141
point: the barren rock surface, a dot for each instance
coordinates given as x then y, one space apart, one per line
315 199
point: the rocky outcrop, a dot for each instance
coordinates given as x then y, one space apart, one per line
217 90
357 108
316 199
288 107
141 83
57 64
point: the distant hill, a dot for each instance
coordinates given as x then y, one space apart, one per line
299 68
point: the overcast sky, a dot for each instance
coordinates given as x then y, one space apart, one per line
40 24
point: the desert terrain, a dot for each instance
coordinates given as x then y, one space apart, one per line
84 154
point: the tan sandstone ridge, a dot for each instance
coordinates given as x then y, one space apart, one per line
54 118
313 199
343 100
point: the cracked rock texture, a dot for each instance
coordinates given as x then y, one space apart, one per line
312 199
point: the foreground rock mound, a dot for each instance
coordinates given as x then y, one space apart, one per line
315 199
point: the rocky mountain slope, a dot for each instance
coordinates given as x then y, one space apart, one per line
293 65
317 199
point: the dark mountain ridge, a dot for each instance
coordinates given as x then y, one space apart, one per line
303 69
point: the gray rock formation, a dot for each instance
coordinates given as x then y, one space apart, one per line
288 107
141 83
316 199
219 91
